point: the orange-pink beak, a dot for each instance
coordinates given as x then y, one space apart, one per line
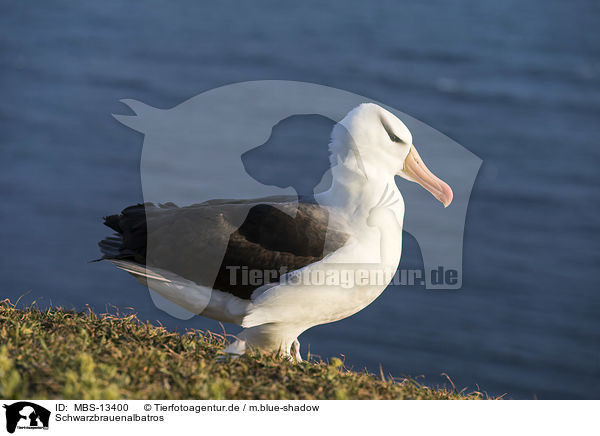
415 170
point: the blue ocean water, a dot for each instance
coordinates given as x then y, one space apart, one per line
516 83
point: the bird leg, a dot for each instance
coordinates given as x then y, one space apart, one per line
234 350
295 350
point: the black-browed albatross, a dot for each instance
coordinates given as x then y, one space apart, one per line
354 229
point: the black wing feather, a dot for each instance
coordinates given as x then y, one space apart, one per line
268 240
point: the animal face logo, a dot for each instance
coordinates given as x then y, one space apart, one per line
26 415
235 142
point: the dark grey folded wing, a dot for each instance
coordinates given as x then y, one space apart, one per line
206 243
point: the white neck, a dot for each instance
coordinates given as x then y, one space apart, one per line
354 193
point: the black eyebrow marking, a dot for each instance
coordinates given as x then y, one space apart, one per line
391 134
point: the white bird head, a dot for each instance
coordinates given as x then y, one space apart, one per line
382 145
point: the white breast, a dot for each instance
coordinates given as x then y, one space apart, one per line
343 283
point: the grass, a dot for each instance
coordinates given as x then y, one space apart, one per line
55 353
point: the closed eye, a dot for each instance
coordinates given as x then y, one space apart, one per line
395 138
391 134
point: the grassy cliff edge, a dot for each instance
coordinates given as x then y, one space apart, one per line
54 353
